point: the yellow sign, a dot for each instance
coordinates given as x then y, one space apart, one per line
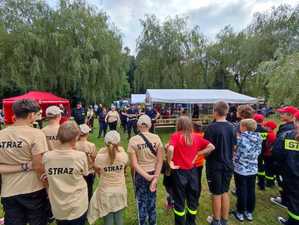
291 145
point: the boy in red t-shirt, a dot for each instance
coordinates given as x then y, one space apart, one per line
271 138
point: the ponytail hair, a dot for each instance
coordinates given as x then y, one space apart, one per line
184 125
112 140
112 149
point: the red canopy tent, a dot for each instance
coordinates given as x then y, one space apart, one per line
45 99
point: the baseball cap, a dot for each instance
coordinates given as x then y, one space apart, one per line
297 115
144 120
259 118
53 111
84 129
270 124
288 109
112 137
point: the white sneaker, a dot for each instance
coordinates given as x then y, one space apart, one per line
282 220
210 219
239 216
1 221
277 201
248 216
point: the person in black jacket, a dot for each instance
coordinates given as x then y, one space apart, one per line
286 152
287 117
79 114
102 122
259 118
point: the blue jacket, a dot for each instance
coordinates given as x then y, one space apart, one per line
249 147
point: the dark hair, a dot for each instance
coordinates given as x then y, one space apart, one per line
197 127
221 108
245 111
23 107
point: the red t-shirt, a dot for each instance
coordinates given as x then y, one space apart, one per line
184 154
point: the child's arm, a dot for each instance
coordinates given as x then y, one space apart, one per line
98 171
153 186
138 168
206 151
169 156
6 169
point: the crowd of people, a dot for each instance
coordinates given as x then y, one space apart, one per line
110 118
49 174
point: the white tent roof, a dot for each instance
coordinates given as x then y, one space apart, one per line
138 98
193 96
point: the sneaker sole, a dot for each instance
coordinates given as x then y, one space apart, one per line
278 204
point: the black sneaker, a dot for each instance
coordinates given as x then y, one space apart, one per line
216 222
224 222
212 221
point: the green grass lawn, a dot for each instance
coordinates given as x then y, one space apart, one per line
265 213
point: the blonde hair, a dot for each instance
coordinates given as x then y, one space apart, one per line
68 132
249 124
184 124
112 149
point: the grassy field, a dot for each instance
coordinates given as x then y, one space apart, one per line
265 213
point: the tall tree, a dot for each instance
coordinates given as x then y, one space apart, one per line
169 55
71 50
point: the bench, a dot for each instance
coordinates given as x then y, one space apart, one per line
171 122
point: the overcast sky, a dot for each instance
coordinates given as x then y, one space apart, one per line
210 15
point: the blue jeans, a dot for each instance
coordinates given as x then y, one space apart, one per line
103 129
146 201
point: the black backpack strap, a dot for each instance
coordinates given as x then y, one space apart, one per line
148 143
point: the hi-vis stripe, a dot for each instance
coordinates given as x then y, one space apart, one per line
179 213
264 135
291 145
294 216
192 212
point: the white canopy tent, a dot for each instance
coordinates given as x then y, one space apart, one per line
197 96
138 98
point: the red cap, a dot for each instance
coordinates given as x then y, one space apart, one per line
259 118
270 124
288 109
297 115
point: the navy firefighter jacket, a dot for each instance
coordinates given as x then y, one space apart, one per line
286 153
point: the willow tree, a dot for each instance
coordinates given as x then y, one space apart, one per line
169 55
72 50
284 83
